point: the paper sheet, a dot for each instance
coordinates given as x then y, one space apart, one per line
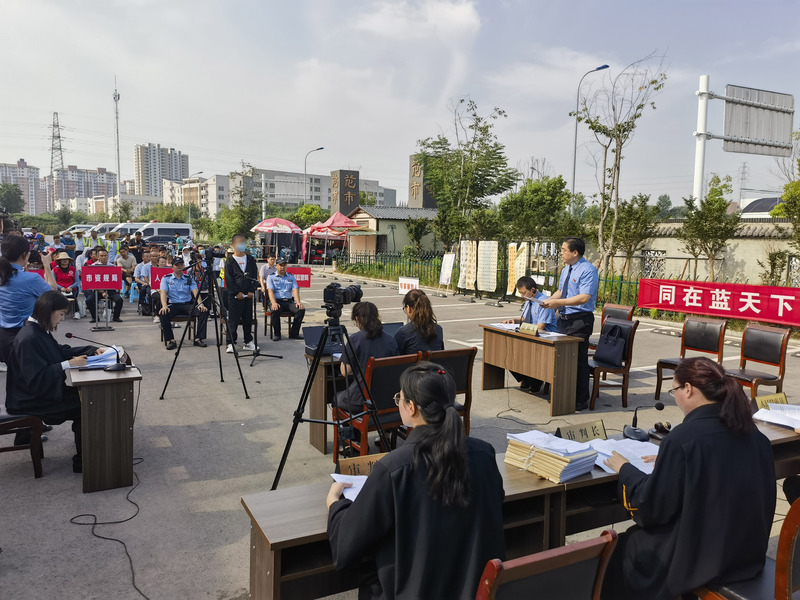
99 361
631 449
505 326
357 480
776 417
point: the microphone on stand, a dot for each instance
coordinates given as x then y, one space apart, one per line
118 366
635 433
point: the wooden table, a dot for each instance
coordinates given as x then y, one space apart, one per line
290 556
106 426
550 359
322 391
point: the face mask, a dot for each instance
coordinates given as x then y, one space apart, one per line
241 247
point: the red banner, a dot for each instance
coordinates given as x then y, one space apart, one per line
770 304
101 277
302 274
156 275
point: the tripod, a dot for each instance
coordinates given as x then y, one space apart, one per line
213 294
229 336
332 333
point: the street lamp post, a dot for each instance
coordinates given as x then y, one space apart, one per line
305 172
198 193
577 102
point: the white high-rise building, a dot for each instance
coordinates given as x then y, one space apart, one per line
208 194
27 178
73 182
152 164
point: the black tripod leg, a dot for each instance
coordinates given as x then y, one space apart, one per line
177 353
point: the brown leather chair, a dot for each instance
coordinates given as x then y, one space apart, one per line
764 345
780 578
615 311
16 423
459 364
573 571
600 370
382 378
699 335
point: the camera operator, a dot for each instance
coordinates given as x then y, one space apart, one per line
241 281
284 297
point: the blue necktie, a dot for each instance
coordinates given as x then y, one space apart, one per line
566 287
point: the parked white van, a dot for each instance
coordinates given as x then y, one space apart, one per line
183 229
103 228
124 228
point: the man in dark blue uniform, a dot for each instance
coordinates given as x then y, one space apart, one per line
177 291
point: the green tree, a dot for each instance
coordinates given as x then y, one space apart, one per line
611 114
308 214
789 208
708 226
205 227
487 224
534 211
664 206
637 223
11 198
63 216
417 229
463 174
364 199
123 211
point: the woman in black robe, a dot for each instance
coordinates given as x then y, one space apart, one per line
429 516
704 515
36 380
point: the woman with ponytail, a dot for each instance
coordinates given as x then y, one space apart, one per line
704 515
429 516
422 333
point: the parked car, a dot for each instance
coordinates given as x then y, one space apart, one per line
81 227
103 228
131 228
161 240
168 229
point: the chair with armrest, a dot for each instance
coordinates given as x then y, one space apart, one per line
780 578
569 572
600 369
17 423
765 345
382 379
699 335
459 364
615 311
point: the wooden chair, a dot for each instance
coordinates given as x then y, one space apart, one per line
268 321
615 311
17 423
780 578
599 369
765 345
569 572
382 379
699 335
459 364
191 324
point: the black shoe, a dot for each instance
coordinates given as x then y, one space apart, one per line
536 388
77 464
117 320
582 406
276 338
525 386
46 428
93 321
296 337
171 345
201 343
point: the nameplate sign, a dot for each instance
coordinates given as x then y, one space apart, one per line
766 400
101 277
302 275
359 465
406 284
529 329
594 430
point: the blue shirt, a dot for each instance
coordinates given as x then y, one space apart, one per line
536 313
18 296
179 289
583 279
282 286
142 270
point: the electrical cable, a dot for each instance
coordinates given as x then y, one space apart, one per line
94 523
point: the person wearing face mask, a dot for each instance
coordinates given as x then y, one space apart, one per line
241 281
69 243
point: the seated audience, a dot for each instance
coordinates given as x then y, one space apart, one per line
704 515
111 296
264 272
36 381
429 516
177 292
422 333
66 275
127 262
284 297
369 341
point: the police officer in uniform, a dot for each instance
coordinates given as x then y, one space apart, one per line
177 291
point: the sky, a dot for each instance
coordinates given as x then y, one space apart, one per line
265 81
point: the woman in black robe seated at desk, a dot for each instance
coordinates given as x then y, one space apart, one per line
704 515
370 341
422 333
36 380
429 516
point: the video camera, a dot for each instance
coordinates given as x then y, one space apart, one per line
334 293
210 254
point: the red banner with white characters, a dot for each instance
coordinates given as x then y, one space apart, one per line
157 274
770 304
101 277
302 275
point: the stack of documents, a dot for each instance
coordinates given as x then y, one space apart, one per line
100 361
548 456
633 450
785 415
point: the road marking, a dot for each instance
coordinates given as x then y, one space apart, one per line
478 343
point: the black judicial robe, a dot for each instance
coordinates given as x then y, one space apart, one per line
35 380
422 550
704 514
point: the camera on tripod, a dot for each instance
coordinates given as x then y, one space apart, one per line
210 254
334 296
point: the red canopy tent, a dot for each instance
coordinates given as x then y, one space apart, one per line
338 220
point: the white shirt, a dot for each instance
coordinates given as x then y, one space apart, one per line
241 261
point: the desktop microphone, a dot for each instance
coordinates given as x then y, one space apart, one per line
632 431
118 366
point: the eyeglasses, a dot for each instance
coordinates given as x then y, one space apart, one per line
672 391
397 399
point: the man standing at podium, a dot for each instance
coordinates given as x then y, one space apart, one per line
575 300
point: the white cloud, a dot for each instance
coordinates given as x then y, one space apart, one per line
443 20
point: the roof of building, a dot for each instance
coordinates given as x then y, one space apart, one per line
396 213
761 205
748 229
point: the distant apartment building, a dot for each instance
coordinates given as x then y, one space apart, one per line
139 203
27 178
208 194
73 182
287 189
152 164
75 204
127 186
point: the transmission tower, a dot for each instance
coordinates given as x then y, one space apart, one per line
744 177
116 122
56 163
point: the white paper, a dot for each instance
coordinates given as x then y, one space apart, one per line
505 326
549 442
357 482
776 418
788 410
551 334
98 361
633 450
